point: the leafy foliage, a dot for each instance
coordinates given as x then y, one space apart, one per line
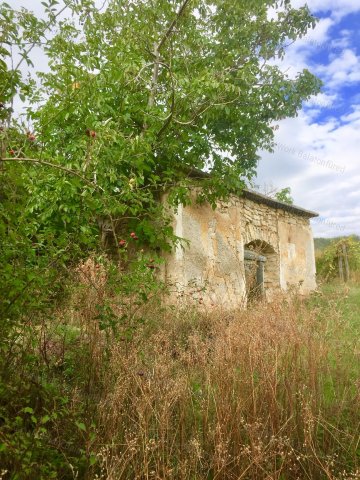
321 243
284 195
161 93
327 262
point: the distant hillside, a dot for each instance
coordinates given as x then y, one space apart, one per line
322 243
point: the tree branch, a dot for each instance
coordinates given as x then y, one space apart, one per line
156 54
172 24
154 80
53 165
172 107
203 110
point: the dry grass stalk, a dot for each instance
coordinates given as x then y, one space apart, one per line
254 395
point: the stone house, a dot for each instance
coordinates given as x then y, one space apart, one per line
250 247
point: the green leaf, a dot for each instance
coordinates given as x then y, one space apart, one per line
45 419
28 410
81 426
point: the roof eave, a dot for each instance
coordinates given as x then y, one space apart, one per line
259 198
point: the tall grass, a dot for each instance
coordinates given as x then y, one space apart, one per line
269 393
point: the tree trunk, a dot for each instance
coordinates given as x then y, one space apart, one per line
346 261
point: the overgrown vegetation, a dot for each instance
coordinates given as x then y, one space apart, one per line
321 243
284 195
97 380
266 393
340 258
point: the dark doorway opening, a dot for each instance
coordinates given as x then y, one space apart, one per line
254 275
261 266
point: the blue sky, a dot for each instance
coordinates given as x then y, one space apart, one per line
318 153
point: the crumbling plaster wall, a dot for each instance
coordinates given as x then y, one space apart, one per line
210 269
297 255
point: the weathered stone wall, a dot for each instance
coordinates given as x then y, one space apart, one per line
297 255
210 269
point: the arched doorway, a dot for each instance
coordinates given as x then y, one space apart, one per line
262 275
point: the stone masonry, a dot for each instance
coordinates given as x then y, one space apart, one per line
211 268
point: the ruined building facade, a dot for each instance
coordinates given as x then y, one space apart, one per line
247 248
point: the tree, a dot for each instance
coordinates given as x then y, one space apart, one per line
339 259
140 96
166 87
284 195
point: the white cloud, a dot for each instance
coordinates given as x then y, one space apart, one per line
298 54
342 70
320 164
338 8
322 100
344 67
344 41
352 117
319 35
